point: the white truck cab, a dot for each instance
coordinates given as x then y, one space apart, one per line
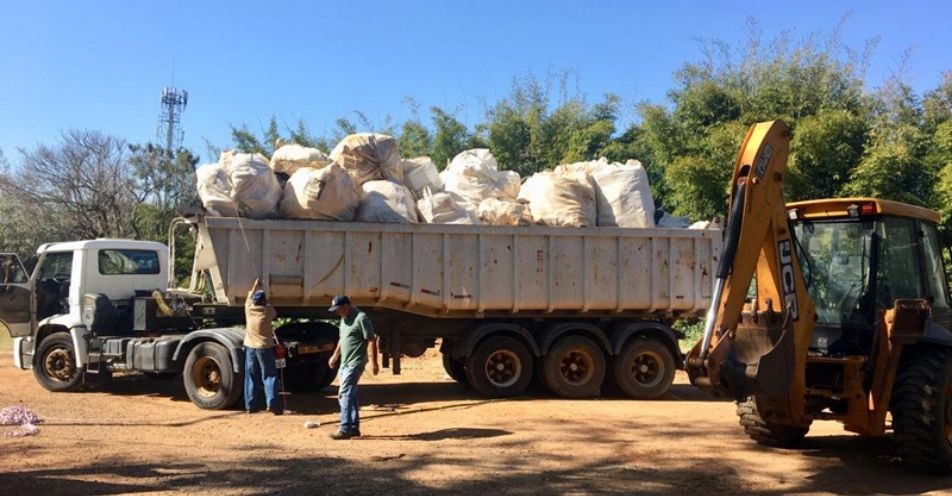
51 299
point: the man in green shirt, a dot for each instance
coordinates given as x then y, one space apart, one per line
356 336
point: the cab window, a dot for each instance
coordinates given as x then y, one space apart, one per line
57 266
935 270
11 271
899 274
128 262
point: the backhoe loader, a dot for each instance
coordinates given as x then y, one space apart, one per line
828 310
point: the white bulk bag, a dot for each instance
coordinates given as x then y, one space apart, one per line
505 212
369 157
473 174
327 193
623 195
386 201
214 189
445 208
290 157
420 173
256 190
560 199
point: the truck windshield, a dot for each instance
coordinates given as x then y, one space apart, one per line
835 261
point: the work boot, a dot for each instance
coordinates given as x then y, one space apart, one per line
343 435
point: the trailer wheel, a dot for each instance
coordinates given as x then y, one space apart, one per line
209 380
644 369
921 408
574 368
55 367
500 367
454 368
768 433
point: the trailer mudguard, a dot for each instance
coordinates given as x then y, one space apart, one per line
465 346
229 337
552 333
656 330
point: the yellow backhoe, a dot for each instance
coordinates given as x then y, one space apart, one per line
828 310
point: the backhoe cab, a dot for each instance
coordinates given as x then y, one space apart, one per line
829 309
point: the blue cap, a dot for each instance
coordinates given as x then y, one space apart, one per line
258 297
337 302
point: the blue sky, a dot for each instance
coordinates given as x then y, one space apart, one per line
101 64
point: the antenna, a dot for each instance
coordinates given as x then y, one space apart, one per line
174 102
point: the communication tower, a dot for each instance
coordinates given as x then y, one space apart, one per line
173 104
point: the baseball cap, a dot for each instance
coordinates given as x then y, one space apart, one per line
258 297
337 302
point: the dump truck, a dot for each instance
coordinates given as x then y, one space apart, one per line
566 306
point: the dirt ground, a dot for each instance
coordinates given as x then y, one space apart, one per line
422 433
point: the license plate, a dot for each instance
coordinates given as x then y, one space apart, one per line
280 363
304 349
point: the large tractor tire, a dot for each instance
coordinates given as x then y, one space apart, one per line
454 368
209 378
55 364
644 369
500 367
921 409
574 368
768 433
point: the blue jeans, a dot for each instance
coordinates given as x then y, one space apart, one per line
260 367
347 396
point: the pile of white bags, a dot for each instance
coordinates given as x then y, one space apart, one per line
369 157
445 207
473 174
622 193
560 199
505 212
290 157
386 201
327 193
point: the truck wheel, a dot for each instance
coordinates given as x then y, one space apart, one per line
574 368
768 433
308 376
55 367
209 380
921 409
455 369
500 367
644 370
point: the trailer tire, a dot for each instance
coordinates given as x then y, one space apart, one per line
500 367
454 368
644 369
768 433
209 380
921 408
55 367
573 368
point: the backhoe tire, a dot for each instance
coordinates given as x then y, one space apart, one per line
209 378
921 409
55 366
574 368
500 367
644 369
768 433
454 368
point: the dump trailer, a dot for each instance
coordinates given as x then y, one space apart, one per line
566 306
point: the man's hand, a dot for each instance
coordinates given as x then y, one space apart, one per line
376 368
332 363
257 285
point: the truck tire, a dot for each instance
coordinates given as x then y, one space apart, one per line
644 369
454 368
500 367
574 368
55 367
308 376
209 380
768 433
921 409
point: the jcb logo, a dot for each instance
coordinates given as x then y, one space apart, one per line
787 282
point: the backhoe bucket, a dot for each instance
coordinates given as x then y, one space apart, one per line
761 359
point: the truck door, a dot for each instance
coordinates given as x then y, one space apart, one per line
15 296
